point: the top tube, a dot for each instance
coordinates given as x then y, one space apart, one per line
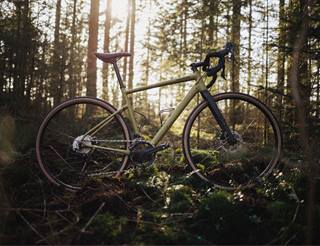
191 77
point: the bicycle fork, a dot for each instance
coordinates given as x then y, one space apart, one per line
218 116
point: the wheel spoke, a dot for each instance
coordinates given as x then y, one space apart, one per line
238 164
60 156
66 156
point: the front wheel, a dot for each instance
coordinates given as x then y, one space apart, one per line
227 166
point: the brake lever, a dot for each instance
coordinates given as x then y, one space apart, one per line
223 75
206 64
232 55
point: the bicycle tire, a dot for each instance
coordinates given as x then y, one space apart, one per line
67 106
251 101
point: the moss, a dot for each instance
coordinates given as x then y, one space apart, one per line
205 157
181 199
219 218
108 229
280 211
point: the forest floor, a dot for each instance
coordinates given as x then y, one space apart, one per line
159 204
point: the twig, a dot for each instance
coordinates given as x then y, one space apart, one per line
32 210
92 217
125 203
188 215
290 239
55 233
278 237
44 199
32 227
147 195
64 218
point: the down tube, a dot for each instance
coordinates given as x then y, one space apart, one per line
175 114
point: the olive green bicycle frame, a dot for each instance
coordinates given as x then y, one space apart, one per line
196 88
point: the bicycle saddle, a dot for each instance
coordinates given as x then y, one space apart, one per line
111 57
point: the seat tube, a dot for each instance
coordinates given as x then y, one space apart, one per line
127 101
218 115
116 69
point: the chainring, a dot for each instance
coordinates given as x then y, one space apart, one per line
139 153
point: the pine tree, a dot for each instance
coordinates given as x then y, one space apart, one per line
56 86
106 47
132 44
72 82
92 48
235 37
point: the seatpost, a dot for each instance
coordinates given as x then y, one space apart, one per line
116 69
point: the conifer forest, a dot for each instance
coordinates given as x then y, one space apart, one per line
67 179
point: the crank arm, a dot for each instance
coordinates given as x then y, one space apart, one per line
158 148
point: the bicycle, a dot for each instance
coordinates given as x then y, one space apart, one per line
231 140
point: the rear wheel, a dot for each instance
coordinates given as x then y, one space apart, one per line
62 143
255 154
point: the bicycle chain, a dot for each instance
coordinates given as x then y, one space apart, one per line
103 174
114 141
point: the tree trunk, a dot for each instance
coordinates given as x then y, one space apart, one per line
147 63
72 82
126 45
301 41
235 37
92 48
281 58
318 91
235 68
106 47
212 29
20 62
56 62
132 43
249 48
266 84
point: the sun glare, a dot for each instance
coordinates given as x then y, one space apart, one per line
119 8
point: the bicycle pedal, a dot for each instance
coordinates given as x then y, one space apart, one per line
163 146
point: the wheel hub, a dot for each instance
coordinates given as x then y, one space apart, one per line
226 147
80 143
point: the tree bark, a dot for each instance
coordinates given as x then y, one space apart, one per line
132 43
20 61
235 37
235 67
147 61
106 47
126 45
92 48
72 82
311 167
249 48
281 58
56 86
266 77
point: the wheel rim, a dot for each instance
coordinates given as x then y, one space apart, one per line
221 164
65 165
